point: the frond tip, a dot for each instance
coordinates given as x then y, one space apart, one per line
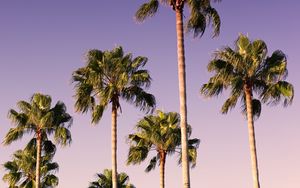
147 10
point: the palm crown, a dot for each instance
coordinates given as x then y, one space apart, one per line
108 76
160 133
201 13
105 180
38 117
21 170
247 68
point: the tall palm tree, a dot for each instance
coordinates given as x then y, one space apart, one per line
39 118
160 133
247 70
108 77
105 180
201 15
22 168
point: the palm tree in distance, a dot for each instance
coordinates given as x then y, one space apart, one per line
160 133
105 180
39 118
201 15
108 77
22 168
247 70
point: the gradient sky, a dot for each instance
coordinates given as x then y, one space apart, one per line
43 42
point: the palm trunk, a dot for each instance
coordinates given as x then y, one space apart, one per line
114 145
162 168
38 159
182 98
251 134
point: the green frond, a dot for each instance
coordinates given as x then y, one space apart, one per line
92 58
104 180
50 181
202 14
256 108
137 96
275 67
215 20
48 147
230 103
212 89
97 113
236 60
243 45
217 65
62 136
19 119
13 135
47 120
141 78
24 106
84 100
43 102
196 23
281 90
12 178
152 164
259 50
137 154
147 10
192 156
193 145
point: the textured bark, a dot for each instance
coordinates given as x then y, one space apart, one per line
162 168
182 97
251 134
38 159
114 145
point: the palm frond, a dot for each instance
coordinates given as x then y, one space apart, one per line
256 108
147 10
152 164
136 95
281 90
137 154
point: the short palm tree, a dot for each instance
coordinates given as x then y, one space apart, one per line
201 15
247 70
159 133
39 118
108 77
105 180
22 169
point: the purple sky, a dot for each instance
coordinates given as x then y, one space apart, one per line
42 43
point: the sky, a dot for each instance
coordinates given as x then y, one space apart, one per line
43 42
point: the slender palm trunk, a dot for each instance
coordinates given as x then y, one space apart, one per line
182 98
114 145
251 134
38 159
162 168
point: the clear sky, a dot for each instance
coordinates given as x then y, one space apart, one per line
43 42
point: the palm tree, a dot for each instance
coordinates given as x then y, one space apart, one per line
247 70
160 133
39 118
105 180
108 77
22 168
201 15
